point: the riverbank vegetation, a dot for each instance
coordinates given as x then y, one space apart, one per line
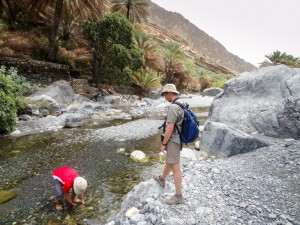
13 88
64 32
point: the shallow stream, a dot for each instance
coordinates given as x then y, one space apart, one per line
27 162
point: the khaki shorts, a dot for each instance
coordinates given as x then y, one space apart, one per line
173 153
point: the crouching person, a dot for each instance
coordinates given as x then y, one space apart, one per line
64 179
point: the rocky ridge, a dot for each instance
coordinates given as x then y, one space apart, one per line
211 54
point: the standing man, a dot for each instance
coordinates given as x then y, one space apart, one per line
65 178
171 144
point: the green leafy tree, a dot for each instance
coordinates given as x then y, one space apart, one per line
115 53
134 10
277 58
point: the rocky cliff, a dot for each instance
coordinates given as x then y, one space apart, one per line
207 51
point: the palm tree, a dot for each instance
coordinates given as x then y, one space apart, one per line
134 10
10 10
175 70
173 56
277 58
145 42
91 7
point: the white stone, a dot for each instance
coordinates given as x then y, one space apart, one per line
131 212
138 155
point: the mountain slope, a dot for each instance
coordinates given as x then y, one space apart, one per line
197 39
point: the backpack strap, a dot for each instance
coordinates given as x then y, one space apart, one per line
182 107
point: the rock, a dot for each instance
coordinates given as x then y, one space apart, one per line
44 112
73 120
213 91
81 86
136 218
34 109
139 194
131 212
61 91
265 101
220 139
7 195
155 94
25 117
138 156
174 221
54 107
112 99
188 154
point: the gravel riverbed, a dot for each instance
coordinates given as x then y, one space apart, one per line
259 187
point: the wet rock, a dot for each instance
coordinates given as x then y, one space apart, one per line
138 156
7 195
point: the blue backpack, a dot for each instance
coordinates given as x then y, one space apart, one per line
190 125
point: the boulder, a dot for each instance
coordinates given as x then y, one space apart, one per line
73 120
141 192
222 140
213 91
265 101
61 91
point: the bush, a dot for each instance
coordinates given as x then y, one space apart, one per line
25 87
12 88
8 101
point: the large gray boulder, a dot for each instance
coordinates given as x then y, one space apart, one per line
265 101
60 91
220 139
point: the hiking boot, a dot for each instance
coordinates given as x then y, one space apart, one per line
174 200
160 180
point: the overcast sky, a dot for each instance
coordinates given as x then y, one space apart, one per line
249 29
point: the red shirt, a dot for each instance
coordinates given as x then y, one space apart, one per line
66 175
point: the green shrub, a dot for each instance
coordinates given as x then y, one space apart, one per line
9 96
25 87
12 88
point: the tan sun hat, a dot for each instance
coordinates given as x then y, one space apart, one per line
79 185
169 88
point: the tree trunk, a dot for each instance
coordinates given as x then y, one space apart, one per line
56 21
1 8
128 9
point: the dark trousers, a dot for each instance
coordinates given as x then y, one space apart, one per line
59 194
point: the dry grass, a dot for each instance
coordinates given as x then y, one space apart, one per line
6 52
18 44
74 57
